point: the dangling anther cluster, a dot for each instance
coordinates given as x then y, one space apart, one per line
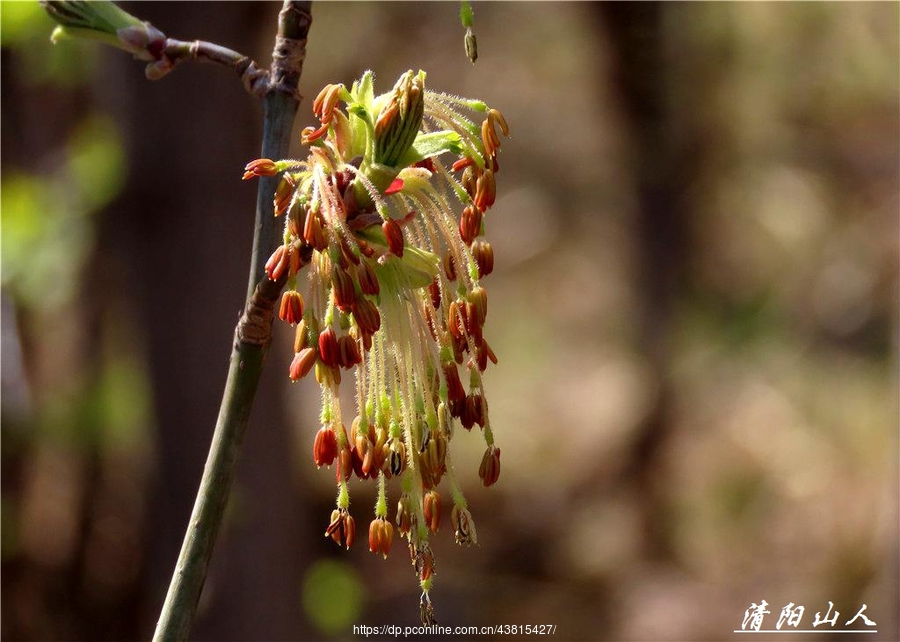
394 294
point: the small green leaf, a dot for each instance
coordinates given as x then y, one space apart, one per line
431 145
366 91
417 268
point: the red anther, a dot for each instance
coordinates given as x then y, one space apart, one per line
455 391
291 309
325 448
404 514
328 347
483 254
349 530
489 471
394 236
467 416
387 538
481 355
478 299
455 322
348 352
312 231
368 282
342 288
449 266
376 535
302 363
478 408
485 191
345 461
310 135
424 562
489 137
435 291
260 167
335 526
283 194
462 163
470 223
357 464
366 314
294 261
473 327
432 510
456 408
497 117
278 263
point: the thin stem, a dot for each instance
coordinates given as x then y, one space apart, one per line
279 107
255 80
252 339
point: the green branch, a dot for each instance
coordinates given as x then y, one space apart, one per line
252 338
251 343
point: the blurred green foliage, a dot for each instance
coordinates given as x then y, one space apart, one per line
24 197
333 596
106 412
48 229
20 20
25 28
96 161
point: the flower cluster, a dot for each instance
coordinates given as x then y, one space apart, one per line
394 295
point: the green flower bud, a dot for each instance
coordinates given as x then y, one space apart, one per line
400 119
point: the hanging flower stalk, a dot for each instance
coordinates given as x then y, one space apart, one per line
394 294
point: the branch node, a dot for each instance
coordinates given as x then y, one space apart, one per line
286 58
255 326
256 80
290 48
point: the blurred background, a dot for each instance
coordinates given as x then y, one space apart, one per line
695 308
